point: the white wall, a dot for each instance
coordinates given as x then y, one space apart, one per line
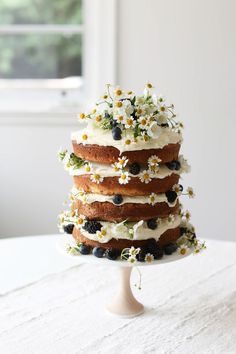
187 48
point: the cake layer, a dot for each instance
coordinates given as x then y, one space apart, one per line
110 154
131 212
167 237
135 187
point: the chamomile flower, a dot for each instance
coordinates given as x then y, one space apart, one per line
185 167
149 86
88 167
170 219
154 169
102 233
80 220
190 192
116 166
130 123
139 112
118 92
132 259
152 198
72 250
183 250
149 258
122 162
84 138
119 118
82 116
154 160
124 178
139 101
134 251
153 130
187 215
130 94
143 122
144 136
96 178
145 176
177 188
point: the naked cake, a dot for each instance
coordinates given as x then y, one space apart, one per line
126 168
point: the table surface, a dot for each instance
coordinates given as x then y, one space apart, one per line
51 305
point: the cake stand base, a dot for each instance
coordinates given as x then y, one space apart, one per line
124 303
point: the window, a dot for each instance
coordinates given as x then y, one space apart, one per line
41 54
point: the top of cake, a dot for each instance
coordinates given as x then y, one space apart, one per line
130 122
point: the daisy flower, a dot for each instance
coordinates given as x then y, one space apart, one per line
144 136
102 233
143 122
152 199
177 188
96 178
118 92
119 118
72 250
88 167
124 178
80 220
84 138
153 130
187 215
149 258
154 169
145 176
116 167
130 123
149 86
183 250
171 218
154 160
134 251
122 162
190 192
185 167
132 259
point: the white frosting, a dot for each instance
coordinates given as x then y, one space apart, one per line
140 230
105 170
103 137
90 198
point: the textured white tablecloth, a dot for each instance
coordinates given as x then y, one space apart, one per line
50 305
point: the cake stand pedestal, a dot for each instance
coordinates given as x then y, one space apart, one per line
124 303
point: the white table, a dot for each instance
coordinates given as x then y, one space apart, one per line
50 305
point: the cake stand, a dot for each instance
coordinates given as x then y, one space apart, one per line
123 303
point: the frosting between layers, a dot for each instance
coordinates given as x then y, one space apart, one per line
140 230
105 170
89 198
102 137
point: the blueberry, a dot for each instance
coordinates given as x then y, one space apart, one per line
142 254
171 196
112 254
152 245
171 165
181 187
177 165
159 253
134 168
92 226
84 249
170 248
117 199
152 224
114 123
98 252
68 228
116 133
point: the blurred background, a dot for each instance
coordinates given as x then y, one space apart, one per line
55 58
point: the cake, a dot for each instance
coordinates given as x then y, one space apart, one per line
126 167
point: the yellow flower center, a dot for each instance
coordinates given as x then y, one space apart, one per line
118 92
80 221
149 85
87 168
139 111
162 109
98 118
128 142
105 97
129 92
183 251
119 104
93 111
129 121
84 136
123 177
82 115
120 118
146 176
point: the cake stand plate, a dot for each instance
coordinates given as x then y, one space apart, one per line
123 303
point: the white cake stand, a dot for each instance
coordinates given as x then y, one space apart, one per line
123 303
